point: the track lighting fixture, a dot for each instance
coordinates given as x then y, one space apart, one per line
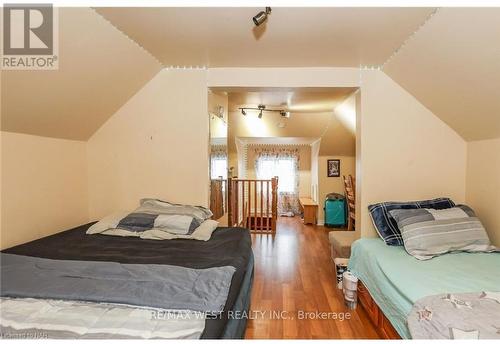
261 17
261 108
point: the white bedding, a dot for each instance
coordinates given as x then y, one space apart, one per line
203 232
84 318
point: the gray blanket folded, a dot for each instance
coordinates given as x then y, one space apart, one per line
176 219
149 285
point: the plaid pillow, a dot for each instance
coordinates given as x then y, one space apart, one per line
385 224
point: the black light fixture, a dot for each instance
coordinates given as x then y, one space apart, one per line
261 108
261 17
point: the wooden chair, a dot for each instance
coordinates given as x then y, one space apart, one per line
350 194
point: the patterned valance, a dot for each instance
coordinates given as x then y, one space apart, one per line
218 151
276 152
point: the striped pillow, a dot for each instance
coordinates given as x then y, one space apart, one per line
428 232
386 226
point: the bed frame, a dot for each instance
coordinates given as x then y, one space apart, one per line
382 324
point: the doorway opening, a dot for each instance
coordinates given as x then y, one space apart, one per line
303 139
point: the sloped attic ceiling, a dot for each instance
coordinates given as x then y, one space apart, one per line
292 37
452 66
99 70
312 116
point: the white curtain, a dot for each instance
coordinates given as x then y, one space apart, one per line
283 163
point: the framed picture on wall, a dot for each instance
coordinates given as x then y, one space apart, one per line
333 167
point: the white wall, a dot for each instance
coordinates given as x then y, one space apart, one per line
483 184
218 126
359 171
407 153
156 145
346 113
315 146
339 138
283 77
44 187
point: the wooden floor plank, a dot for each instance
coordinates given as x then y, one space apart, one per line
294 272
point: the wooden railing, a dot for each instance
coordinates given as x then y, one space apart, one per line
218 199
253 203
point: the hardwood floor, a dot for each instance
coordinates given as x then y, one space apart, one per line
294 274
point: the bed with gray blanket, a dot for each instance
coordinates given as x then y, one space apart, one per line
104 275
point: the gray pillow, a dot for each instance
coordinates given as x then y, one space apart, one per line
428 232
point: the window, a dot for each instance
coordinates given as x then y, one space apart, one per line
219 168
284 168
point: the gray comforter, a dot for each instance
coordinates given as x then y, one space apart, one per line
173 218
456 316
149 285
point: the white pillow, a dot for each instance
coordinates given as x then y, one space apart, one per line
203 233
110 221
428 233
121 232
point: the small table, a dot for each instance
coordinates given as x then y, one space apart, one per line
310 209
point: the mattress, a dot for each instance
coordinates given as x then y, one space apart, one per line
397 280
228 246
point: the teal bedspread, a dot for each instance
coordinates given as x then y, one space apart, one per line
396 280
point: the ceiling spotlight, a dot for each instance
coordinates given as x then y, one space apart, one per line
285 114
243 112
261 17
260 114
